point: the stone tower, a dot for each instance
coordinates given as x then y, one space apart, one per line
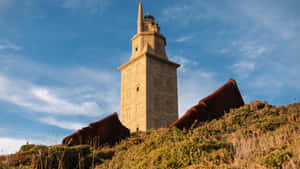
148 80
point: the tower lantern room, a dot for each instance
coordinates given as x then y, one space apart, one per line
148 36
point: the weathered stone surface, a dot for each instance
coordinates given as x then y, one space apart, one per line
212 106
148 80
106 131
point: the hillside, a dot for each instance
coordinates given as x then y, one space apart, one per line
257 135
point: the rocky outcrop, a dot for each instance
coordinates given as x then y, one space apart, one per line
212 106
106 131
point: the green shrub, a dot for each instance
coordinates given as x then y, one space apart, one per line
26 147
253 135
277 158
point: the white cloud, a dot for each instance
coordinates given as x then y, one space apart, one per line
91 5
183 61
279 76
62 123
267 81
243 68
277 18
250 55
193 83
10 145
81 90
41 99
190 11
176 11
183 12
224 50
250 49
264 53
95 76
193 86
184 38
9 45
2 130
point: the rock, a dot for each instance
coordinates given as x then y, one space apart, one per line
212 106
106 131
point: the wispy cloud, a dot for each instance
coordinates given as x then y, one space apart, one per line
176 11
224 50
272 16
279 76
184 38
41 99
193 86
78 90
10 145
189 11
244 65
9 45
62 123
250 49
243 68
2 130
193 83
183 12
183 61
92 6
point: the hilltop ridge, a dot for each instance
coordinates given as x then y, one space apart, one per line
256 135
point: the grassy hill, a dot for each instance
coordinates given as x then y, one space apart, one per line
257 135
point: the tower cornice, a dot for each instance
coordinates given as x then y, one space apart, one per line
148 54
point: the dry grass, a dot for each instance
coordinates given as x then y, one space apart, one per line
249 150
59 156
257 135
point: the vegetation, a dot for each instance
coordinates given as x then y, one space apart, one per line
257 135
58 156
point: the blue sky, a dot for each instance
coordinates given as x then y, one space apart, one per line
59 58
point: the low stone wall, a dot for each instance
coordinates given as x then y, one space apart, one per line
213 106
106 131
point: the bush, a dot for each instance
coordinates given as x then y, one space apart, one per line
26 147
252 136
277 158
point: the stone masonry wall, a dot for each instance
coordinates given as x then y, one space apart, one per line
133 95
162 98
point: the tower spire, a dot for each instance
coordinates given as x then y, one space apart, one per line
140 19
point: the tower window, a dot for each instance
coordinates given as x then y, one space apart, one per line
136 49
137 89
